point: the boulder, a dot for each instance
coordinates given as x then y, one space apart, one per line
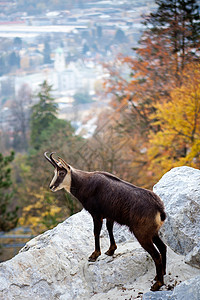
180 191
187 290
54 265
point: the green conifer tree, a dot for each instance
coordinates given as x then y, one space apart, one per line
8 213
43 113
178 21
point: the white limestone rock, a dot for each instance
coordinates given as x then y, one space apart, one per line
180 191
187 290
54 265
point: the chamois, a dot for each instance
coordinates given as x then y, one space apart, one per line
106 196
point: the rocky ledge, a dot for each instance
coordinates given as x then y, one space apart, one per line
54 265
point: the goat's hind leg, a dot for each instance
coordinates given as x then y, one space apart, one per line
162 249
148 245
97 230
113 246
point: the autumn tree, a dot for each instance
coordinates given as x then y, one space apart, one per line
42 209
177 142
103 150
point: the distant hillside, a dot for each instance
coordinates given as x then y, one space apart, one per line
33 8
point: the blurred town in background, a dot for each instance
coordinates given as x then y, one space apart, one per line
68 48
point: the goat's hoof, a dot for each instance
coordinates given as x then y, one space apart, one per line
156 286
92 259
111 250
94 256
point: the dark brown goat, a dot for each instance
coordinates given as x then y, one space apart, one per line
108 197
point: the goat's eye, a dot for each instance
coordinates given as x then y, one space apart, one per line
61 173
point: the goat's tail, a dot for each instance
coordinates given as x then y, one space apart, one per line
161 215
160 218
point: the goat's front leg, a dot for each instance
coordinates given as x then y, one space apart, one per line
97 230
113 246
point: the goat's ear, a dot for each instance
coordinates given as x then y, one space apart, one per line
64 164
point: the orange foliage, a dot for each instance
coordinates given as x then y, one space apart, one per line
178 141
143 98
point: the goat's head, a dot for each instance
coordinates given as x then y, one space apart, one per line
62 173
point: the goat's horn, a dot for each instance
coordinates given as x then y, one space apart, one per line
51 159
55 161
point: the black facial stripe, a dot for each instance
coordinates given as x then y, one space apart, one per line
59 180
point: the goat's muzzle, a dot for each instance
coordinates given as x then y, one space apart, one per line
52 188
